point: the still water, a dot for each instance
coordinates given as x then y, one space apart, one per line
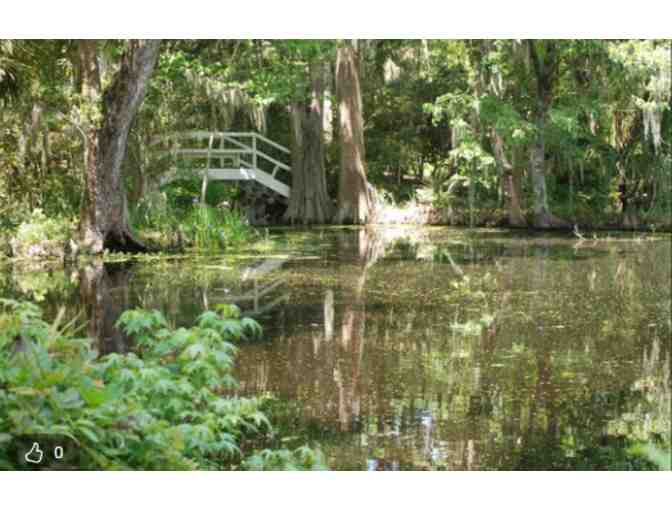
422 348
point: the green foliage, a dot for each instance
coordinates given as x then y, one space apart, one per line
301 459
210 228
204 227
154 212
163 407
41 150
661 458
506 120
41 237
10 73
469 164
592 132
39 228
11 216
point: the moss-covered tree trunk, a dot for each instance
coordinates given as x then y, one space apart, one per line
104 222
309 202
355 200
545 61
511 180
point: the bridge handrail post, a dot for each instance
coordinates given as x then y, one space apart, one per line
221 147
204 185
254 151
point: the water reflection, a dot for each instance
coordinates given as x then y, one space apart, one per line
105 294
259 293
428 349
107 290
520 356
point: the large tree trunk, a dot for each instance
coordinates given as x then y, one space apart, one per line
355 200
545 67
538 175
309 202
511 183
327 113
543 218
104 219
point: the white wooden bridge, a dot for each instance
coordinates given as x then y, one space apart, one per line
228 156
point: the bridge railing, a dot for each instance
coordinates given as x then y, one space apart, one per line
223 150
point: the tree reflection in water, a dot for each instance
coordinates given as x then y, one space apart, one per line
513 355
105 293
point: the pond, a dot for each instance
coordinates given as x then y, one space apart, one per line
422 348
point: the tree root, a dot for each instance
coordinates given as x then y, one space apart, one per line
547 220
124 241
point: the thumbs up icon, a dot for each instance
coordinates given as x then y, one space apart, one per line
35 454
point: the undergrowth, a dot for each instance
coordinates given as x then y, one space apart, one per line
169 405
203 227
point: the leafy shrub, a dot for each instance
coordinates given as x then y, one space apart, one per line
12 214
164 407
39 228
41 236
657 455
